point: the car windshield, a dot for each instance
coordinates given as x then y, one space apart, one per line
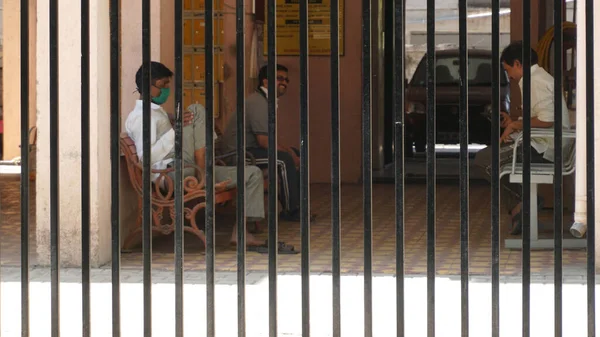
447 71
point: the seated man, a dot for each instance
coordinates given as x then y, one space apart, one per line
542 116
257 142
162 139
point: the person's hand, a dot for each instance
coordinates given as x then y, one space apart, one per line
222 186
188 118
505 119
295 157
505 138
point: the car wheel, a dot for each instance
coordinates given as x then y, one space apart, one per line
420 146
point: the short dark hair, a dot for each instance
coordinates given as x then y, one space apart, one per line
157 71
263 72
514 52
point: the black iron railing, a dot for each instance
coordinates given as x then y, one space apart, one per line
399 9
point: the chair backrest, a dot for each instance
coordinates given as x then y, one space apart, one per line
443 74
484 74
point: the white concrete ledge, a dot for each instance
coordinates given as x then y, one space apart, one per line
10 170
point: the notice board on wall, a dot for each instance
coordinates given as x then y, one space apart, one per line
288 27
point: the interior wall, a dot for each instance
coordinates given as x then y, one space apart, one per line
319 90
289 105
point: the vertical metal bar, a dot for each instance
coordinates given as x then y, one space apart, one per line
272 157
590 176
210 170
85 166
526 205
54 173
398 97
336 244
464 166
115 157
241 163
367 166
179 237
558 165
1 219
147 192
431 181
24 168
304 170
495 181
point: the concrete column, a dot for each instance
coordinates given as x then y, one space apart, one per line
70 135
162 17
580 217
582 161
11 59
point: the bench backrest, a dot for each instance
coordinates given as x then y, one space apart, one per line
161 192
132 160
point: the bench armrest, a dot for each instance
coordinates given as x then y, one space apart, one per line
538 133
165 171
161 171
249 156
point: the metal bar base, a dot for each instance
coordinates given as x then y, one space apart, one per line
545 244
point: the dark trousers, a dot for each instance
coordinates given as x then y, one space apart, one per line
510 194
289 188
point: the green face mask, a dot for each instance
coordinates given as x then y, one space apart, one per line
162 98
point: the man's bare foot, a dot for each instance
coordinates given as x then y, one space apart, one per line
250 239
515 215
516 210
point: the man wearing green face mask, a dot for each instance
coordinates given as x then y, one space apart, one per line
162 154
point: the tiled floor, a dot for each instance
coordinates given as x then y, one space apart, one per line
447 236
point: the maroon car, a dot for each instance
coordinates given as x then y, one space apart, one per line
448 95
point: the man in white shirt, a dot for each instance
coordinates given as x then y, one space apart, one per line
542 116
162 142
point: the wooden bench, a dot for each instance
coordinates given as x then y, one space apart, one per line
163 198
542 173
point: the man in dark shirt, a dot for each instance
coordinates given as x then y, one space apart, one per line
257 130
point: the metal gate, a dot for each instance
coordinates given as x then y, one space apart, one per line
399 8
